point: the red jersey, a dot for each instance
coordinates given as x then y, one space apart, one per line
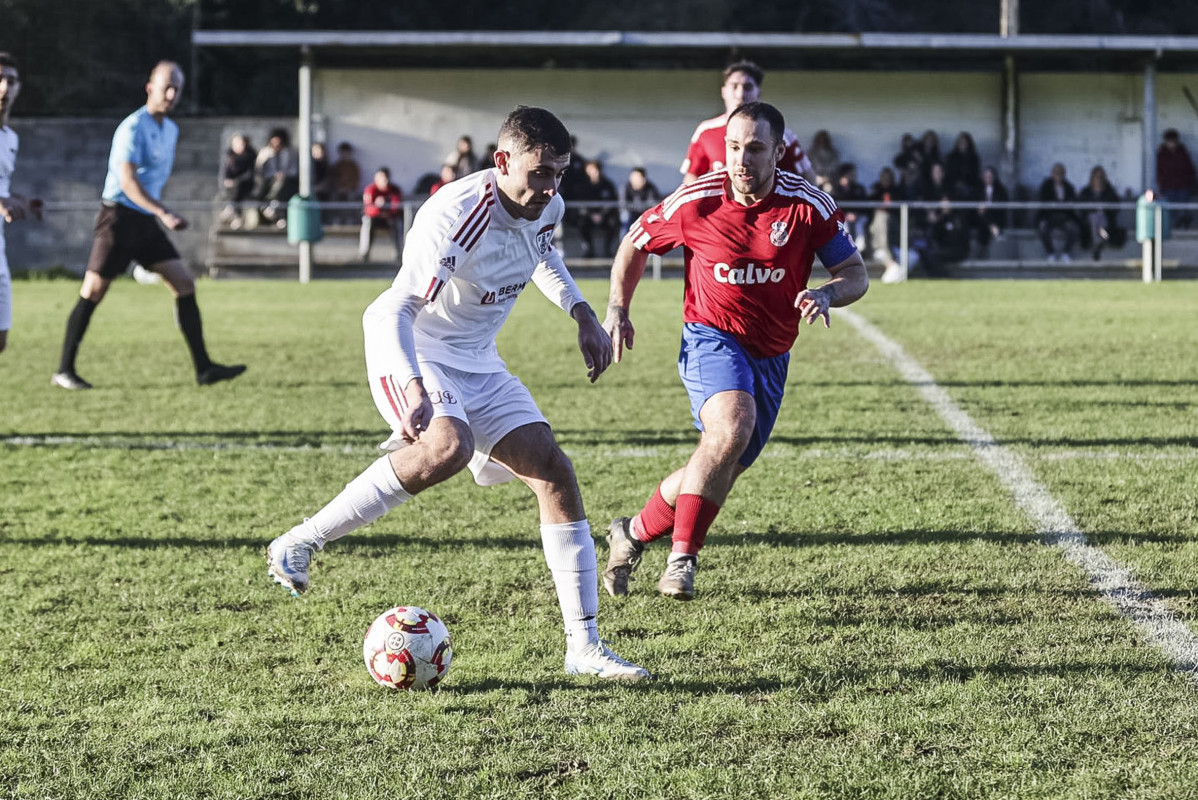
391 197
745 265
706 151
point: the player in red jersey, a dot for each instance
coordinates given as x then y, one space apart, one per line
742 84
750 235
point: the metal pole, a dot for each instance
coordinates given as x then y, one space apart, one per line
305 152
1158 245
1149 126
903 261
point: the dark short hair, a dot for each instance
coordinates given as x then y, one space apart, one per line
747 67
6 60
385 170
528 128
1172 135
282 134
758 111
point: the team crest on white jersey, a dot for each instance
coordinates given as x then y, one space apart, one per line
778 234
545 240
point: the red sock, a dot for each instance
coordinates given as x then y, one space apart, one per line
694 516
655 520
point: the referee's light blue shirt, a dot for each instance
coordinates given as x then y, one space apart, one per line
140 140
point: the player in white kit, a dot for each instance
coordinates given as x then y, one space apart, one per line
12 207
438 380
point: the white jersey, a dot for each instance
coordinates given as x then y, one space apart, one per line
467 260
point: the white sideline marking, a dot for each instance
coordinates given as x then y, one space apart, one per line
1056 527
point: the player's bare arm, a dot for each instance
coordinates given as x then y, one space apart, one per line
593 340
848 284
626 272
133 189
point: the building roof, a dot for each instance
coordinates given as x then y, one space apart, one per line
665 49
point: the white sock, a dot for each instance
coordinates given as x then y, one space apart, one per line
363 500
570 554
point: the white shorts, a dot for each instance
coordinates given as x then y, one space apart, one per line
5 291
493 404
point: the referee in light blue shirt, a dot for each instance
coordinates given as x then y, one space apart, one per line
127 229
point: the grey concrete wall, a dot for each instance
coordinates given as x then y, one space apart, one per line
64 161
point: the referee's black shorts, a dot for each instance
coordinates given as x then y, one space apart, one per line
123 235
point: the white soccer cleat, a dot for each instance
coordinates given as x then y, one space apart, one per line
598 659
287 561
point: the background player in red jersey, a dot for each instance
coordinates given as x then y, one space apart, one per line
742 84
751 234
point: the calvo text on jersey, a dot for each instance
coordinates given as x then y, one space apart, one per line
503 294
747 275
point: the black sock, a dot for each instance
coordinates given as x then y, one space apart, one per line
77 324
187 313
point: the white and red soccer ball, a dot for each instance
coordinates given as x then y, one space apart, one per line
407 648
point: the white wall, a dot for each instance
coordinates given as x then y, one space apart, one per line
410 119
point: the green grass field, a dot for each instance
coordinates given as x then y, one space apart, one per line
875 617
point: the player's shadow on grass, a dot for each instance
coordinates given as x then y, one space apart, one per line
873 539
133 440
689 437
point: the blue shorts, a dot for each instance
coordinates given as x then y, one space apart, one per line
712 361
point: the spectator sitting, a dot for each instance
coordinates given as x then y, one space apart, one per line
929 146
1102 224
844 192
884 226
909 153
946 225
599 219
236 179
322 173
277 171
962 167
1055 189
824 160
1175 174
382 207
448 175
638 196
462 158
347 181
990 222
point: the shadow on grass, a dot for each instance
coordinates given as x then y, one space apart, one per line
871 539
812 682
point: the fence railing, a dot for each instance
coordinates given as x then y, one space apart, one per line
914 233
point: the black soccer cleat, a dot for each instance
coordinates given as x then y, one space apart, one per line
69 380
215 373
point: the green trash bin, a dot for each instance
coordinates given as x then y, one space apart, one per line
303 220
1146 220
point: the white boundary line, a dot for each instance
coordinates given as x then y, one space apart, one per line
1116 583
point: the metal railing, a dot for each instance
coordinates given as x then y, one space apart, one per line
64 237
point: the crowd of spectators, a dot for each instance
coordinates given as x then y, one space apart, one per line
963 219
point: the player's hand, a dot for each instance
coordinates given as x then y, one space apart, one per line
619 331
813 304
173 221
418 413
592 341
12 209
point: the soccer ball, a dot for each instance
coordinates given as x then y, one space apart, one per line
407 648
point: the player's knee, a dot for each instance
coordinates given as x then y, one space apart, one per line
452 453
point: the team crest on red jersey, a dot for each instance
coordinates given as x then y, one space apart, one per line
778 234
